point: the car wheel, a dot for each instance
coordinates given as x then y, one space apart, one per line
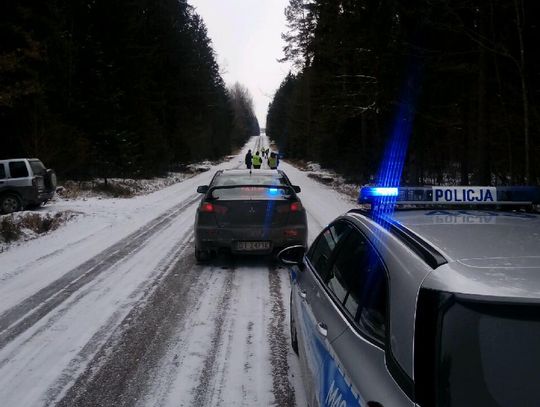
294 337
201 255
33 206
10 203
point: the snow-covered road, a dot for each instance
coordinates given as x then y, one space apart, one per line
112 310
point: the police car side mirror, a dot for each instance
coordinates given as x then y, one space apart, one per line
292 255
202 189
296 188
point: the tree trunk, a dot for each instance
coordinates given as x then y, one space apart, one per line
520 14
482 153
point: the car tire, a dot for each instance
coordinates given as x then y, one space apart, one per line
201 256
10 203
294 337
33 206
50 180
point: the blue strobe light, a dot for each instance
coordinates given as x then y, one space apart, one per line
370 192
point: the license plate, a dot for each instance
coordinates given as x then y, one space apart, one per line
252 246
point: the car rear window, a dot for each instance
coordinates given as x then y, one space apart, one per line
2 171
18 169
247 179
38 168
251 193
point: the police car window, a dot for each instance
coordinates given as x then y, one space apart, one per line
361 273
2 171
346 271
320 252
18 169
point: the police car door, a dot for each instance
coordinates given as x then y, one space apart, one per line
306 297
358 374
315 314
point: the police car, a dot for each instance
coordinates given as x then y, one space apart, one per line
433 304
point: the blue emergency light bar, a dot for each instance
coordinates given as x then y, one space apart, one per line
450 195
371 192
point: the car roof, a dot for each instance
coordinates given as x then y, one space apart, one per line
489 253
269 173
474 234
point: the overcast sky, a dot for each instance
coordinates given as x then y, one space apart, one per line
246 35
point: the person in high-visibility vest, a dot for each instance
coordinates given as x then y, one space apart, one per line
273 161
257 161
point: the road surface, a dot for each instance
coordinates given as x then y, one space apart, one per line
112 310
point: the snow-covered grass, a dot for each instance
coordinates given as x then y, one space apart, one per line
23 226
128 187
27 225
328 177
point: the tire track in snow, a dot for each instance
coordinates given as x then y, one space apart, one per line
232 367
209 372
11 274
117 374
279 344
118 323
22 316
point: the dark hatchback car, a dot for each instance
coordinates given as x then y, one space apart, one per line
247 212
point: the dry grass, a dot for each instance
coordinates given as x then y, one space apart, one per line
9 231
73 189
25 225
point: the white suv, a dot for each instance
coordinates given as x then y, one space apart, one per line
24 182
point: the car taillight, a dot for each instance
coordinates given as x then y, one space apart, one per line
296 207
290 232
207 207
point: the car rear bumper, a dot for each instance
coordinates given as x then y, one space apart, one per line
215 239
40 197
33 196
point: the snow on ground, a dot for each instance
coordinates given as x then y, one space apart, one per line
72 301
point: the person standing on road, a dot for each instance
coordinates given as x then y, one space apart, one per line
257 161
273 161
248 160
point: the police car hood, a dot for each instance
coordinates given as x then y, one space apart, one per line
502 277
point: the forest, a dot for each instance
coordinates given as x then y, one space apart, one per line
449 87
123 88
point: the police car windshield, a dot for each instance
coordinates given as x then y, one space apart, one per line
489 356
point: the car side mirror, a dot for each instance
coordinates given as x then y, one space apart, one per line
292 255
202 189
296 188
